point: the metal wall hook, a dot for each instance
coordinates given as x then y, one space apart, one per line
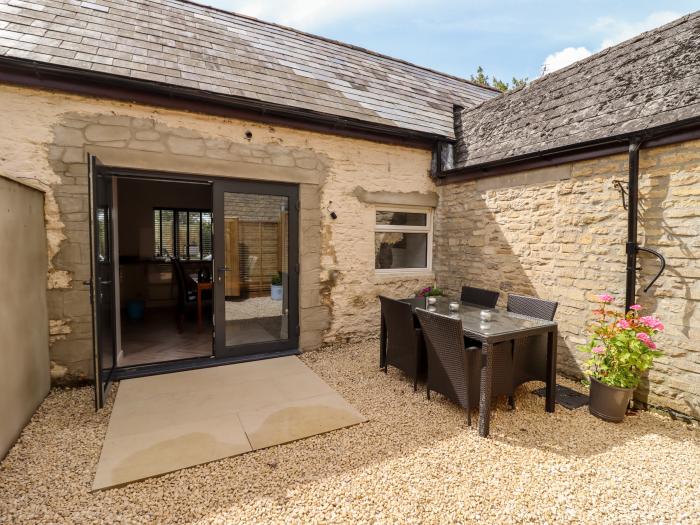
619 184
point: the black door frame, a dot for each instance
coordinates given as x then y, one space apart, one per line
194 363
291 191
100 198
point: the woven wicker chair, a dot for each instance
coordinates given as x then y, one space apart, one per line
405 348
479 297
502 356
453 368
530 353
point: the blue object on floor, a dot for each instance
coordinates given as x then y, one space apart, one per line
135 309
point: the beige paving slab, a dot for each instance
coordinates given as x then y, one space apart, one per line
293 420
300 385
132 457
163 423
214 378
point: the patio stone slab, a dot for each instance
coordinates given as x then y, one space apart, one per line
132 457
164 423
277 424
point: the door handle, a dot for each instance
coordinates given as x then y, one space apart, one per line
105 282
223 269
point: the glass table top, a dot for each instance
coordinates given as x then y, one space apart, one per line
502 322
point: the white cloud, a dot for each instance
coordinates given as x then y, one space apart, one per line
616 31
563 58
306 14
611 31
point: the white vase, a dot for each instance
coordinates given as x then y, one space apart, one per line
276 291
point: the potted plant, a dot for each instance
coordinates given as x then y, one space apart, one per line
621 350
276 289
429 291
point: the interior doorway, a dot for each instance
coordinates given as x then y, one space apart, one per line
165 254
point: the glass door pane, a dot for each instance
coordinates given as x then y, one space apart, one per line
254 284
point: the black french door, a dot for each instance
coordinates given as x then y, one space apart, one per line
256 273
102 283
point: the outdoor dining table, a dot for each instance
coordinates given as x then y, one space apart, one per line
503 326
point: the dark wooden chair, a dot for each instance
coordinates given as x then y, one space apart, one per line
453 368
186 292
479 296
403 345
530 353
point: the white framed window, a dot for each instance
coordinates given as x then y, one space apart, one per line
403 239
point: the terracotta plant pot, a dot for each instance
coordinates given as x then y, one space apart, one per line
608 403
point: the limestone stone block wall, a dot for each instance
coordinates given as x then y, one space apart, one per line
560 234
44 139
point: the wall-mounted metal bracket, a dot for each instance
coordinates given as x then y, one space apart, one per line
620 185
662 260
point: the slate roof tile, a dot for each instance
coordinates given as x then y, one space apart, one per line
189 45
650 80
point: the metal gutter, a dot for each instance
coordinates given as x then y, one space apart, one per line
91 83
681 131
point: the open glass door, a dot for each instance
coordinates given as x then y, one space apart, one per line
102 281
256 301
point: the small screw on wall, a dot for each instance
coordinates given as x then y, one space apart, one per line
248 135
332 213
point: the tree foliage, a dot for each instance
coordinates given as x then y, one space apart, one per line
482 78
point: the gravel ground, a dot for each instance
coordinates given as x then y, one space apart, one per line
252 308
414 462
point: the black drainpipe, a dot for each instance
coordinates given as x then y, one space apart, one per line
633 247
632 217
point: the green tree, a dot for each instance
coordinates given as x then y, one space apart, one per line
482 78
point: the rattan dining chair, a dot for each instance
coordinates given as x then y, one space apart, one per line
405 348
453 368
479 296
530 353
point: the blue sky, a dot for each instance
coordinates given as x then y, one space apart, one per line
507 38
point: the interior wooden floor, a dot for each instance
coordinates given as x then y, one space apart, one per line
155 338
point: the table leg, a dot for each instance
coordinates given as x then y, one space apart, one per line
551 370
199 308
382 343
485 394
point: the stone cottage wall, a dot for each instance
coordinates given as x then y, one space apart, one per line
560 233
44 139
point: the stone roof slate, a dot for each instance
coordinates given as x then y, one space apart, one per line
647 81
188 45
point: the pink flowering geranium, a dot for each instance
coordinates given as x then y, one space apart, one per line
621 345
429 291
652 322
644 338
624 324
606 298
